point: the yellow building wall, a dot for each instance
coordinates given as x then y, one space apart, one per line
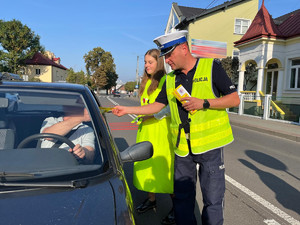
47 73
219 26
59 75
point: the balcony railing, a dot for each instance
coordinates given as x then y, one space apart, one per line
288 109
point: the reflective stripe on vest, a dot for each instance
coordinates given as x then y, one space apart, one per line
209 128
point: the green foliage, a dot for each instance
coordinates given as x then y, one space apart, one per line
250 75
100 78
129 86
32 78
76 77
100 65
231 67
18 43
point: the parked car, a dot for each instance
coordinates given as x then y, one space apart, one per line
116 94
10 76
50 185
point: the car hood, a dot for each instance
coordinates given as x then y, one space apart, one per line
91 205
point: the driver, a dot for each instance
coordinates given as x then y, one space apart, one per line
71 126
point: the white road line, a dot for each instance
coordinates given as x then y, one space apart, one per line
271 222
263 202
115 103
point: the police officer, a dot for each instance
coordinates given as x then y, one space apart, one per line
199 137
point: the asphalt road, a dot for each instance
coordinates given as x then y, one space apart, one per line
262 176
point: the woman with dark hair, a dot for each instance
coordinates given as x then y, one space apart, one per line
154 175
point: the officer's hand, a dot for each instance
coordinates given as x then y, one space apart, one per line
192 103
119 110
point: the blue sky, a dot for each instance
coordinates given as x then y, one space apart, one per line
126 28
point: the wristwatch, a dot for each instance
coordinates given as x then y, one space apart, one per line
206 104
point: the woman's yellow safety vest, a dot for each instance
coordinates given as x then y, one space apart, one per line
209 128
157 173
145 98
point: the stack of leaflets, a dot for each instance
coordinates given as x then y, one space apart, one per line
180 92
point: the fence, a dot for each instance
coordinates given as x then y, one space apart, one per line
263 106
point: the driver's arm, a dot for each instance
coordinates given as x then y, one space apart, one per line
61 128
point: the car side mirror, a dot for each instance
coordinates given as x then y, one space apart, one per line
137 152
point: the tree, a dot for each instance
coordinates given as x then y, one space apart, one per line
100 78
100 65
129 86
76 77
18 43
250 75
231 67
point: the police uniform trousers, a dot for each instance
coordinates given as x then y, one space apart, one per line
212 183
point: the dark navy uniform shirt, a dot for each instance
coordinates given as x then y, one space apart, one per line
222 85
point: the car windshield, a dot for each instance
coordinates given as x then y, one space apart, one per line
26 152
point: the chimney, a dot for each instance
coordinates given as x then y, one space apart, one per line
56 60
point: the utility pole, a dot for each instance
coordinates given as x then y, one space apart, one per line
137 71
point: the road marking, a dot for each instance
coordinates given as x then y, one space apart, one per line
123 126
263 202
115 103
271 222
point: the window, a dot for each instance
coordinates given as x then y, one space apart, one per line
241 26
172 22
272 66
295 74
37 71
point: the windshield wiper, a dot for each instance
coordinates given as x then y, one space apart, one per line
5 174
67 184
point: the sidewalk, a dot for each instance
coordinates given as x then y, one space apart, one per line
272 127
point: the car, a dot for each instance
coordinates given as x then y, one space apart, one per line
50 185
10 76
116 94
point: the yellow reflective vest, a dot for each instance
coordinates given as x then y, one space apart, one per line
156 174
209 128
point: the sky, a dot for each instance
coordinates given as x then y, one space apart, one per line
125 28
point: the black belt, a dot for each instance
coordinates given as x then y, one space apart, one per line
182 125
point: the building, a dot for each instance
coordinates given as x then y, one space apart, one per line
46 68
273 45
213 31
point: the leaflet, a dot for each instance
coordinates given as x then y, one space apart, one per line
180 92
106 109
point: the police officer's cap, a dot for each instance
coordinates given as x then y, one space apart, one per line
168 42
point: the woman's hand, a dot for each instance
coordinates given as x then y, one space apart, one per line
119 110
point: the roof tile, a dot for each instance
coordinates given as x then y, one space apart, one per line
40 59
